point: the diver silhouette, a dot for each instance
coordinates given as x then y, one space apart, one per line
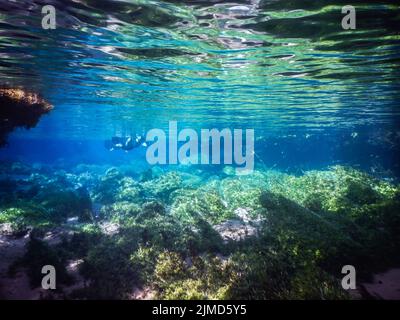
126 143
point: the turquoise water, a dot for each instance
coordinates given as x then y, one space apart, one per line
283 69
268 65
323 103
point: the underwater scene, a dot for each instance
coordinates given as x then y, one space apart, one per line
199 149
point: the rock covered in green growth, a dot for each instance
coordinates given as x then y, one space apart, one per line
115 187
25 215
275 202
64 204
128 190
257 179
184 206
292 227
129 212
109 270
304 190
115 264
191 180
145 259
241 194
151 210
267 274
336 190
294 233
352 189
198 278
163 231
120 211
377 228
170 267
83 238
55 195
313 283
106 189
330 239
191 205
185 289
258 275
213 208
163 186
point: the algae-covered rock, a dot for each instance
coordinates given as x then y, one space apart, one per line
109 270
192 205
195 235
145 259
267 274
115 187
106 189
201 278
128 190
170 267
151 210
120 211
336 190
24 216
65 204
163 186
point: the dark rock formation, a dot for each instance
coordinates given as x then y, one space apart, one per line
19 108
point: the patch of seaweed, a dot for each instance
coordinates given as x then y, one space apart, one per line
185 240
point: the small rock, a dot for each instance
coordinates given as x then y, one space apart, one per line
109 228
235 230
6 229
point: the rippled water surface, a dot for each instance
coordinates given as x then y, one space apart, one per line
281 67
324 106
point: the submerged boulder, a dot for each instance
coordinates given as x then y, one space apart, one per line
19 108
235 230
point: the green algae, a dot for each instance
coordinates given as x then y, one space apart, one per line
163 186
308 227
24 216
203 277
192 205
120 211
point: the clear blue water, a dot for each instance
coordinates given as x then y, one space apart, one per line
314 93
324 104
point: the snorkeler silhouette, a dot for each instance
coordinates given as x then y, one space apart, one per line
126 143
